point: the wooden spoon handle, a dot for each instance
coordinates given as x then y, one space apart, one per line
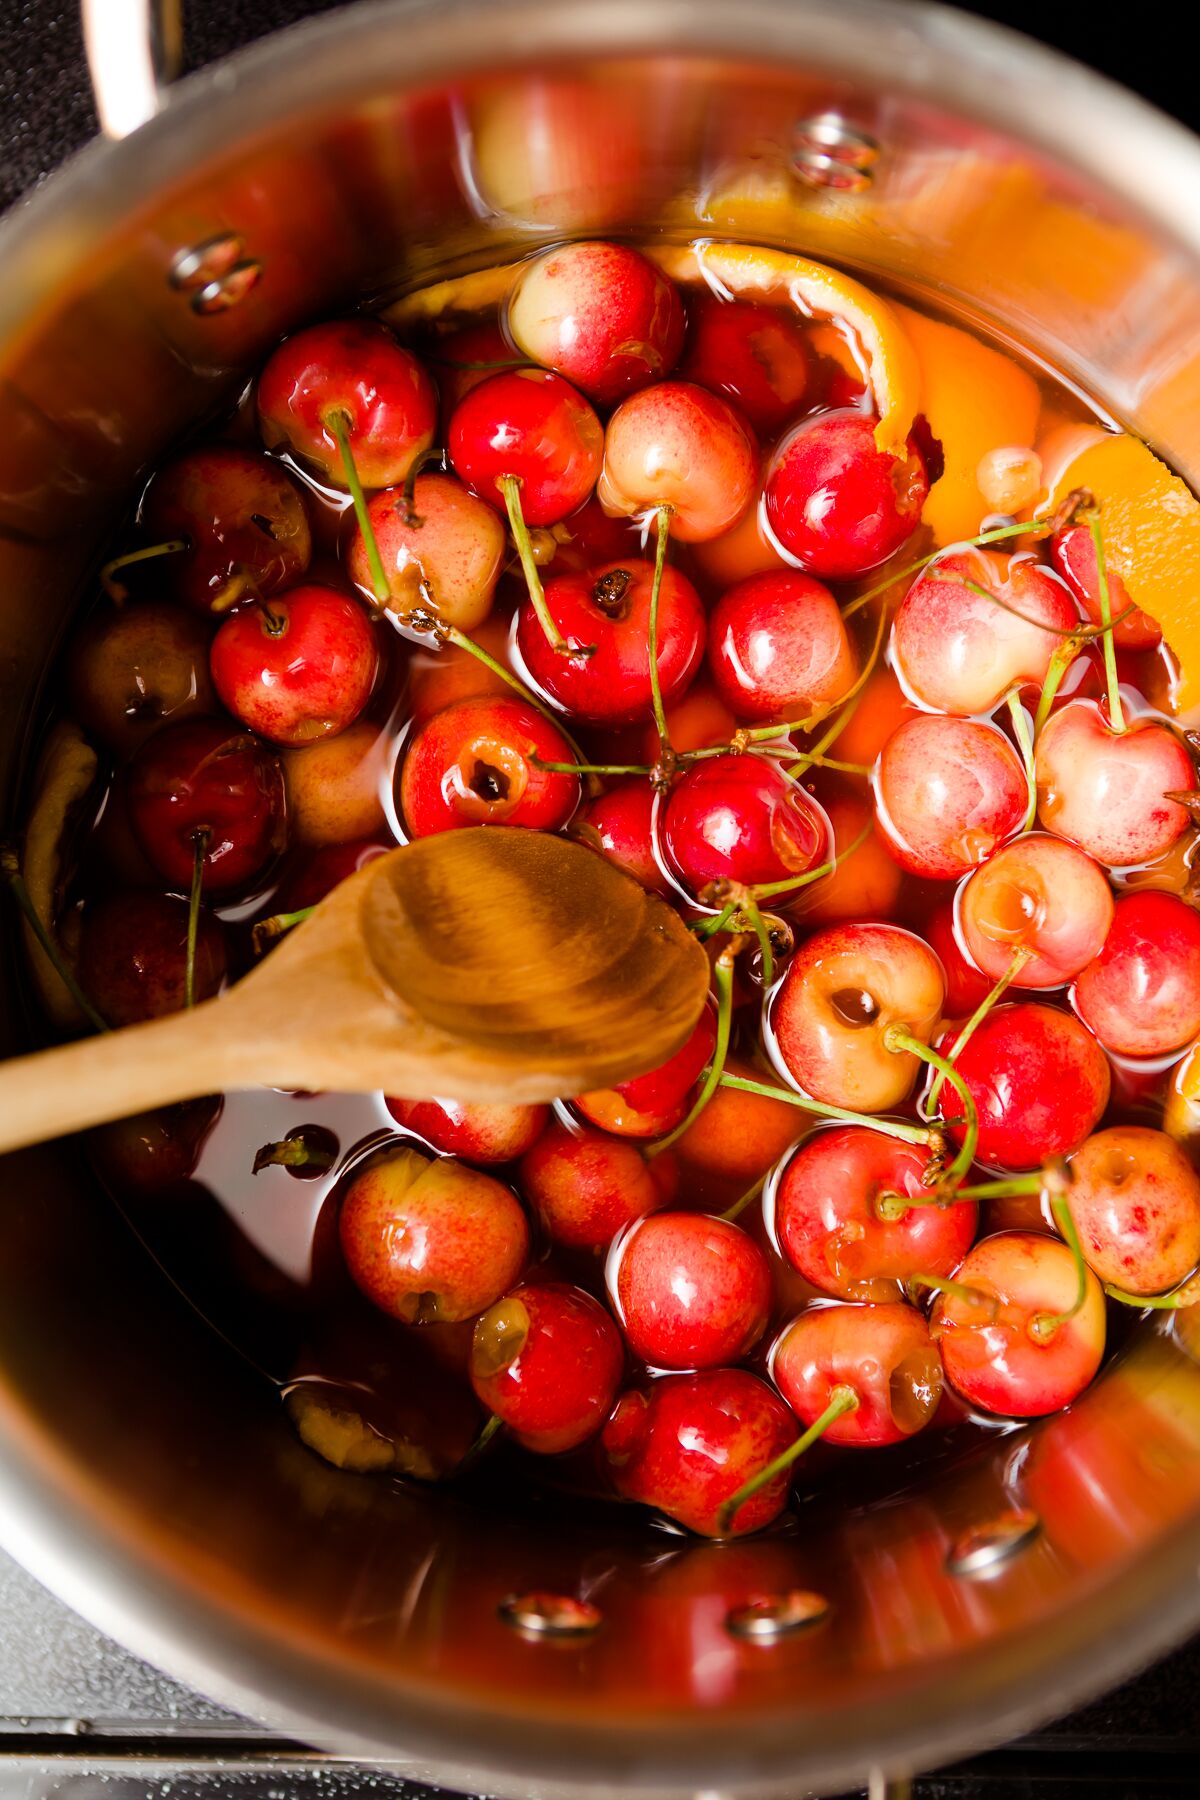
76 1085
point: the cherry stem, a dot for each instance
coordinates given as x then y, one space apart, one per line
200 842
894 1128
1035 528
586 768
474 1451
1059 663
662 519
759 927
1016 963
510 487
1116 715
430 621
451 362
744 1200
266 931
723 981
294 1152
10 870
1043 1326
895 1038
955 1290
1024 737
406 505
1186 1294
117 591
892 1207
337 422
842 1400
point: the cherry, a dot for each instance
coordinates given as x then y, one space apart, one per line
740 818
547 1360
778 648
472 764
824 1212
845 990
755 356
136 667
736 1138
619 825
604 616
533 428
445 551
152 1151
691 1292
1040 1081
348 383
600 314
204 791
476 1131
838 503
745 549
676 446
244 520
585 1186
947 792
690 1443
301 668
1135 1201
1039 898
654 1103
1107 790
1074 556
428 1238
335 786
133 956
1140 993
1010 1347
966 986
865 882
883 1354
959 652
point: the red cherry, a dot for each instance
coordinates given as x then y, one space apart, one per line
301 668
884 1353
133 668
690 1443
585 1186
1140 993
1074 556
325 868
778 647
355 371
999 1350
740 818
755 356
471 764
533 426
427 1238
1040 1081
824 1213
654 1103
204 776
243 518
691 1292
618 824
133 956
1042 896
476 1131
948 791
607 611
548 1361
446 551
966 986
1107 790
600 314
675 445
837 502
1135 1201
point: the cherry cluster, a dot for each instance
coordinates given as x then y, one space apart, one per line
641 592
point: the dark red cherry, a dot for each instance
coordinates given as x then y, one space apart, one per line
756 356
205 779
133 955
243 518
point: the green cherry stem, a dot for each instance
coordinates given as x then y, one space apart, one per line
1186 1294
1060 662
662 519
474 1451
200 842
266 931
723 980
294 1152
759 927
1024 737
895 1038
706 928
1016 963
955 1290
894 1128
337 422
842 1400
116 590
894 1206
587 768
510 488
1035 528
10 870
1116 714
1043 1326
744 1200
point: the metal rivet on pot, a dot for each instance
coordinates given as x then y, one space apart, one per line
772 1616
985 1547
550 1615
219 296
831 152
206 262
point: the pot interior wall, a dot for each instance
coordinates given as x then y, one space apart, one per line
147 1473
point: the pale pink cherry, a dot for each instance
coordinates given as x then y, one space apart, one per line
600 314
947 792
1041 896
1135 1201
1107 790
677 446
778 647
959 652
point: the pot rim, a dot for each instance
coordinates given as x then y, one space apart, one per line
919 50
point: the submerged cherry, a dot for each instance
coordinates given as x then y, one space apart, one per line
133 956
1140 993
204 790
600 314
585 1186
883 1354
691 1291
245 523
547 1360
135 668
755 356
778 648
838 503
300 668
474 763
1074 556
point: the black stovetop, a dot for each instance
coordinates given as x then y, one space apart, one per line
80 1717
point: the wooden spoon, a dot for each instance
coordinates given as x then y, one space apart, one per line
491 964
